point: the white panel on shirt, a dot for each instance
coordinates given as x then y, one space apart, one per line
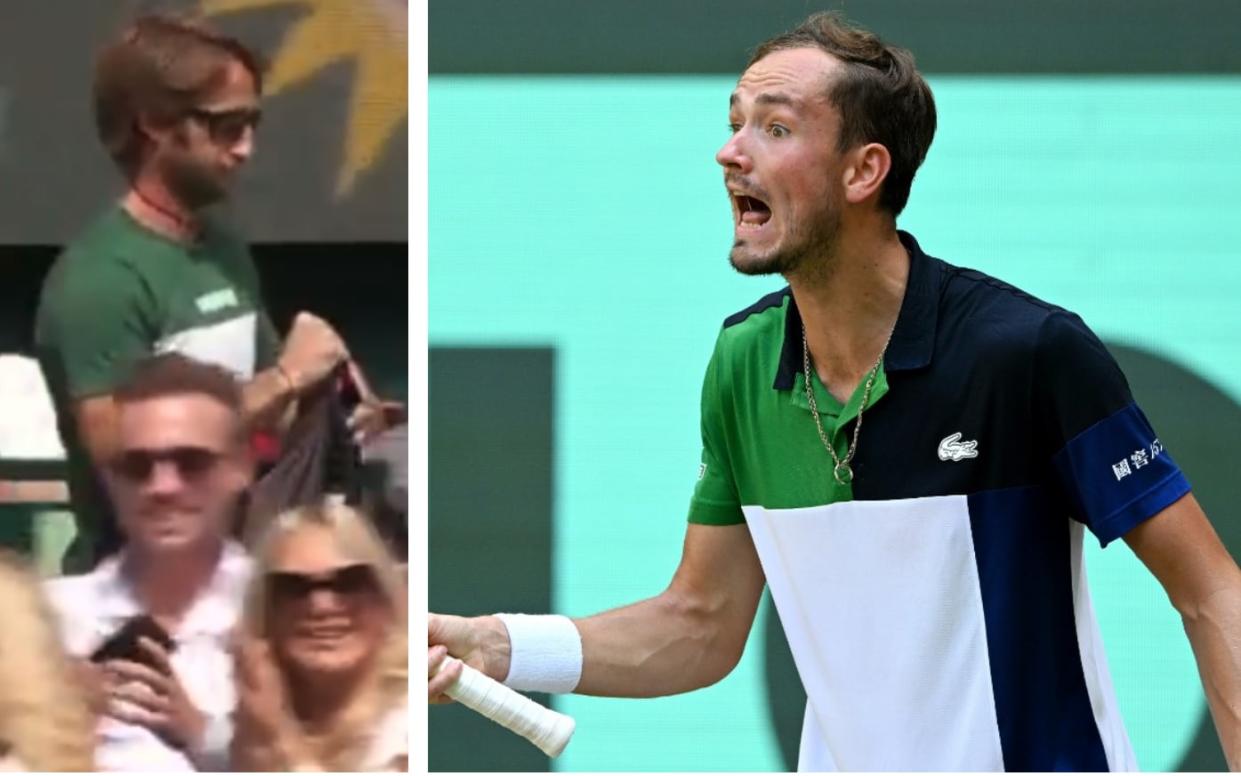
1116 745
229 344
882 607
90 607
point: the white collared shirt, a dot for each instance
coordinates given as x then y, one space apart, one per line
92 606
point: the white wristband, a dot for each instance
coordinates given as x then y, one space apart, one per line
546 652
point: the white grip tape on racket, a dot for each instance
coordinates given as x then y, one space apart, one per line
548 730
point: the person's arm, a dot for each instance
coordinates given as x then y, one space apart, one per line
92 326
1202 581
269 398
96 422
689 636
1120 481
311 352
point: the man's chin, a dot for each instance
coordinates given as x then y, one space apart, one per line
174 541
200 192
747 263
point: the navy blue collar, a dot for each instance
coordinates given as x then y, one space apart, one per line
913 339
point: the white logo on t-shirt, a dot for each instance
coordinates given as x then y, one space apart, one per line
951 448
216 300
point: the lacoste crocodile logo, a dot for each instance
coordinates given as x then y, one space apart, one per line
951 448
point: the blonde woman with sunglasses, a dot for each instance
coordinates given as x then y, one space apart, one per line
322 657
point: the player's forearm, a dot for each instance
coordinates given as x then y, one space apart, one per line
661 646
688 637
664 645
1214 629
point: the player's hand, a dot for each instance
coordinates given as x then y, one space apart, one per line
480 642
442 671
313 349
154 698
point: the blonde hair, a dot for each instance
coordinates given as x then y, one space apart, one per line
45 723
345 744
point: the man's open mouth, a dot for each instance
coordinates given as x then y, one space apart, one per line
752 212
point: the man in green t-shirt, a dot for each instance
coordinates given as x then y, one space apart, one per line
176 107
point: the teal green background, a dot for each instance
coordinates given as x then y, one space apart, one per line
588 214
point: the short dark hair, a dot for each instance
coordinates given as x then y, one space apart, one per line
881 96
161 66
173 374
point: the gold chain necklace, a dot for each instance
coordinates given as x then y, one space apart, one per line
841 470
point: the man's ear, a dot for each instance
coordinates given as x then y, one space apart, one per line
154 131
867 170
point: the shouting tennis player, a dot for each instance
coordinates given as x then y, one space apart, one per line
908 453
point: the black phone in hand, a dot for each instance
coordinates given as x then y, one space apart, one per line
123 644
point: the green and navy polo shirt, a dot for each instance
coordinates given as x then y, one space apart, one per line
937 608
120 293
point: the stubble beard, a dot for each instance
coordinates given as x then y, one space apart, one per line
806 247
191 181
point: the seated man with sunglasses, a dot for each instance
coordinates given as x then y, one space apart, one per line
176 107
152 624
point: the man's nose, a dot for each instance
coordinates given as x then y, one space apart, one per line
733 154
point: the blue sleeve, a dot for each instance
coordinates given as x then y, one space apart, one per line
1112 467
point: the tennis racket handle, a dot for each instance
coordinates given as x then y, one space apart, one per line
548 730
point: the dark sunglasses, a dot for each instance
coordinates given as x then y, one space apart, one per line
191 462
227 127
347 580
